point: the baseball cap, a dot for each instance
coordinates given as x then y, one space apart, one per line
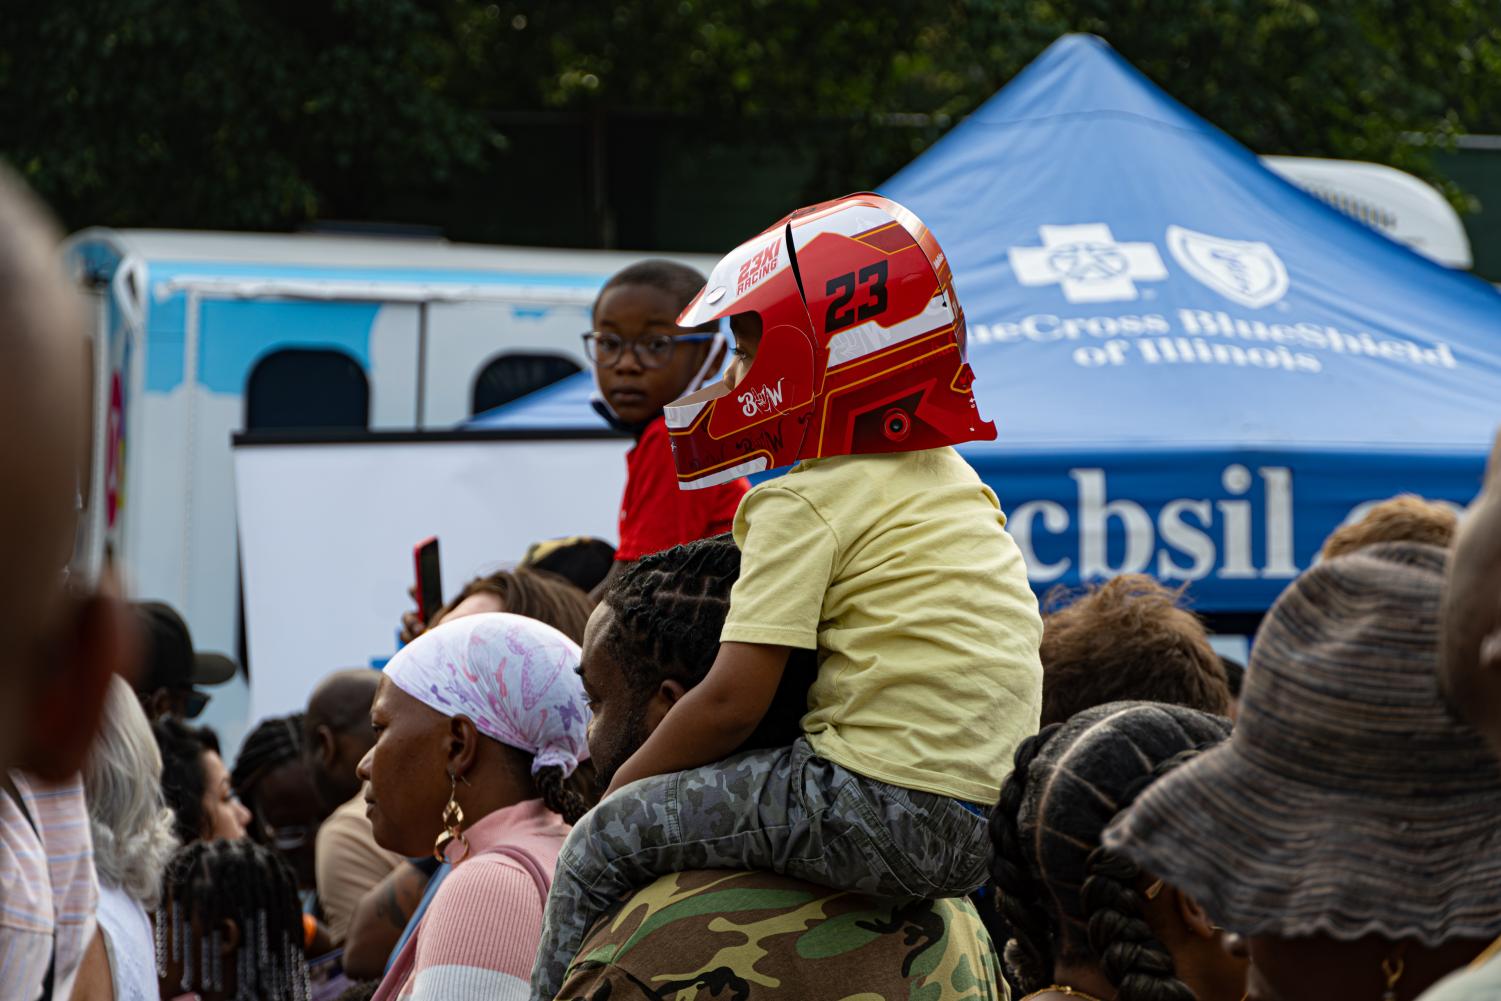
170 661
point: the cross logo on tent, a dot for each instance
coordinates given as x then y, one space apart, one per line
1087 262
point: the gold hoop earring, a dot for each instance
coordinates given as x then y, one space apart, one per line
1392 968
453 825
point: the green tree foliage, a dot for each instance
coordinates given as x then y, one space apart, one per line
231 113
264 113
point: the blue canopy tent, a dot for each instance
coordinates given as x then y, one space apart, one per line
1197 370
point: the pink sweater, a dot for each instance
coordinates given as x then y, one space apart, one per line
479 937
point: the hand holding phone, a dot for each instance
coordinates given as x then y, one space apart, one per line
429 590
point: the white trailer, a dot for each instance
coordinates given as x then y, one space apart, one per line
203 335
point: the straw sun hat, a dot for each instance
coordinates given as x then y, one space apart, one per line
1347 801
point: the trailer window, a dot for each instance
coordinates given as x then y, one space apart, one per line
511 376
303 389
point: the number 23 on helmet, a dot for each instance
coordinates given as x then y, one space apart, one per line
862 346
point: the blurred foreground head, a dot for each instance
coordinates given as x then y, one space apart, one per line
63 640
1470 636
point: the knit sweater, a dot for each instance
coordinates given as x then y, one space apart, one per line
480 934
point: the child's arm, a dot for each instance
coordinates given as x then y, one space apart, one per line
715 717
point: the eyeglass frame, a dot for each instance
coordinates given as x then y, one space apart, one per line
635 345
289 838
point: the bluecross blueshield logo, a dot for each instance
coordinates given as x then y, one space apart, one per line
1087 263
1242 271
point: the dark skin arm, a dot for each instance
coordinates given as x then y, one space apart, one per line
321 944
715 717
379 921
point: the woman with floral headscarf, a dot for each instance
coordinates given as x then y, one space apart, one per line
478 725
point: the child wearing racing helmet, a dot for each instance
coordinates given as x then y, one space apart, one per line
642 361
882 550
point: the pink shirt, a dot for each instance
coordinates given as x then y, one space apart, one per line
479 937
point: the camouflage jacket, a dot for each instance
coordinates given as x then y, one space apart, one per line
757 936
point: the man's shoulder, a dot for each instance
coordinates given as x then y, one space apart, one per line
806 941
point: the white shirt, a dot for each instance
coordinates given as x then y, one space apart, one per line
129 942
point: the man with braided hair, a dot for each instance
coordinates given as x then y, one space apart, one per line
661 624
649 643
1081 921
882 551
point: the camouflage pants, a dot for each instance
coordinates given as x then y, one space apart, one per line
787 810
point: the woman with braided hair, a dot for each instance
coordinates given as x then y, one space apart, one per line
479 724
1081 921
229 927
273 781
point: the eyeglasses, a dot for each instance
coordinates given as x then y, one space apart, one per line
288 839
652 351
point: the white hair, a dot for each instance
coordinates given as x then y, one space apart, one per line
130 822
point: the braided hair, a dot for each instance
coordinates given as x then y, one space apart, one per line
669 610
1060 896
275 741
562 796
1129 954
210 882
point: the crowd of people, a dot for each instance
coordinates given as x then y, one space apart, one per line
811 739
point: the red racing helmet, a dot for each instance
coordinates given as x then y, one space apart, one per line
862 346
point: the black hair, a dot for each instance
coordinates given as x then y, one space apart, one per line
1060 895
182 748
677 280
243 882
581 560
275 741
562 796
669 610
1235 675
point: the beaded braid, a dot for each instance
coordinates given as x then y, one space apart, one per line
1026 935
1131 957
209 882
1068 785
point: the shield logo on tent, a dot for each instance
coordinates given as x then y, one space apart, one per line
1249 273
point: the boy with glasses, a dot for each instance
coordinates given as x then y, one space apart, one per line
642 361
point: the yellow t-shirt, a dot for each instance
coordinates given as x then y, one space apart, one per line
898 570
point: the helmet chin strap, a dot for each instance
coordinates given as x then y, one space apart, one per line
714 361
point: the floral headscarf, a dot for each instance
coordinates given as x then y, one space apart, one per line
515 677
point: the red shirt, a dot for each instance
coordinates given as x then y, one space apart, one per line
656 515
